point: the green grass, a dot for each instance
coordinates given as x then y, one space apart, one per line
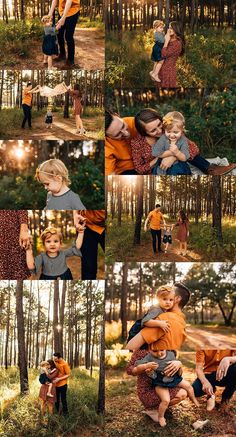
97 23
22 417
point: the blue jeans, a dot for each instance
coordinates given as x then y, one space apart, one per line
201 163
180 168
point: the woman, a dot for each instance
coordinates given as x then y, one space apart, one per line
145 390
69 11
14 239
27 103
77 108
44 399
174 47
183 232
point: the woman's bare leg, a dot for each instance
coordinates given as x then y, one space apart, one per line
43 407
185 247
50 408
164 395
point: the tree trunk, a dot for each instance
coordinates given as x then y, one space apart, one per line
24 384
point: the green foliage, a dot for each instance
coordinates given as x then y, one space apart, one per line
96 22
208 60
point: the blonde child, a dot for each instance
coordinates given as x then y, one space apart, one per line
49 117
167 237
52 263
49 47
159 36
53 174
172 143
45 370
183 232
155 363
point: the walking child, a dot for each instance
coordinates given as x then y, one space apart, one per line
159 36
49 117
54 176
49 47
167 237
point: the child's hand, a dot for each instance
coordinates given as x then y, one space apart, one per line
173 148
164 325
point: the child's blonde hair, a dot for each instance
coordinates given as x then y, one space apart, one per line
164 290
52 168
157 23
173 118
48 232
46 19
44 363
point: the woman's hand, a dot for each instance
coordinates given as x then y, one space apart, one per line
79 220
25 238
153 162
172 367
167 37
164 325
60 23
223 368
167 162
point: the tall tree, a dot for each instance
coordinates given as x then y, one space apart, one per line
24 384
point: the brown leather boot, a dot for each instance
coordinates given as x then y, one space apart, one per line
218 170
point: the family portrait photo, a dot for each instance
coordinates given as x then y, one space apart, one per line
51 348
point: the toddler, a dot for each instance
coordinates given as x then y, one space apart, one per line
166 296
155 363
50 47
52 263
53 174
44 379
167 237
172 143
159 36
49 117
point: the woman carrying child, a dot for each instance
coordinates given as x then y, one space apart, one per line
159 36
48 401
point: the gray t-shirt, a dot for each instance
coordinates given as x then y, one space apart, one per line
151 314
65 202
54 266
162 363
50 30
163 144
159 37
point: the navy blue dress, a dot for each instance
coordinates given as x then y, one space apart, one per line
158 46
50 46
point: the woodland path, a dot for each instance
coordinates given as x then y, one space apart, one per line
206 339
89 52
125 415
62 129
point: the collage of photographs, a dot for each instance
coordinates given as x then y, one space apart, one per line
117 218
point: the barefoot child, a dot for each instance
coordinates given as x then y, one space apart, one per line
183 232
43 378
165 295
172 143
52 263
159 360
49 42
53 174
159 35
167 237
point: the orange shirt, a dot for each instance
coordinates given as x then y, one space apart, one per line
95 219
118 156
155 219
64 369
210 359
173 339
27 97
75 7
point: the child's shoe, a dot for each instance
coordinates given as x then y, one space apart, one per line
199 424
211 402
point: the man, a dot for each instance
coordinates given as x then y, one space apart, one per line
61 382
215 368
175 337
118 156
155 217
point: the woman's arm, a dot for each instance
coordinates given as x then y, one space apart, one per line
24 237
53 7
30 258
140 165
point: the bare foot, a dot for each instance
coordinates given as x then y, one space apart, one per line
49 395
196 403
211 402
153 414
162 422
157 79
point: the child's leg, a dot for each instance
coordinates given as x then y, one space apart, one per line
166 247
164 395
189 389
49 62
152 71
49 393
45 59
157 68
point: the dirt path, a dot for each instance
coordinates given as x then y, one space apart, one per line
125 415
63 129
204 339
89 52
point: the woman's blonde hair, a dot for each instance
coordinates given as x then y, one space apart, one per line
157 23
52 168
173 118
48 232
164 290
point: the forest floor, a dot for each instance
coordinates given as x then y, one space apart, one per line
62 129
125 415
89 53
20 415
208 337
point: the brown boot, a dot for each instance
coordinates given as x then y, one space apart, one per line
218 170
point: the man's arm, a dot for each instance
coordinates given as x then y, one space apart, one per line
110 159
146 222
224 366
146 335
206 385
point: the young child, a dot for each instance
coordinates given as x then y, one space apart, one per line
167 237
49 47
159 35
49 117
43 378
52 263
165 296
183 232
53 174
172 143
161 382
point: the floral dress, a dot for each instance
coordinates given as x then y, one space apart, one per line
168 73
77 105
183 229
145 390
